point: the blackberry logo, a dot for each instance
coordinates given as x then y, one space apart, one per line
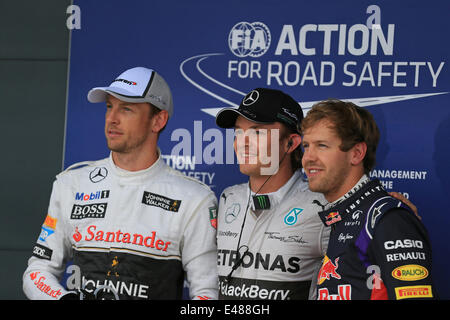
249 39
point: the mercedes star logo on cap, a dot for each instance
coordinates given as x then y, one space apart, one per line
251 98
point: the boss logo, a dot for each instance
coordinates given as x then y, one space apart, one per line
96 210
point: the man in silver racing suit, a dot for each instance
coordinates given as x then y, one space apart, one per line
270 238
131 225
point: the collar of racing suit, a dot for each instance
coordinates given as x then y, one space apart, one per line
136 177
331 212
277 197
362 182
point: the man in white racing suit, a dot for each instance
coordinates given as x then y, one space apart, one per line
131 226
270 238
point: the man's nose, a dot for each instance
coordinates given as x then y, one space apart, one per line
309 154
242 141
111 116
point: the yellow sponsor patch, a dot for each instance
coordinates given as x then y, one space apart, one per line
413 292
410 272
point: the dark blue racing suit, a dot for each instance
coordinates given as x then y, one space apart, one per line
378 249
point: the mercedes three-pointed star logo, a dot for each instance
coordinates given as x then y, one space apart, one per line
251 98
98 174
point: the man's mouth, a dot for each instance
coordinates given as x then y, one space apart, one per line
247 157
113 133
312 172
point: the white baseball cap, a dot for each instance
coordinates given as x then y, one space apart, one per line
137 85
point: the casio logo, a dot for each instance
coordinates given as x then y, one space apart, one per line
405 243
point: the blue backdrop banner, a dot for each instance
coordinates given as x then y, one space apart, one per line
387 56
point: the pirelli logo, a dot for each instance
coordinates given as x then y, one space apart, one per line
413 292
156 200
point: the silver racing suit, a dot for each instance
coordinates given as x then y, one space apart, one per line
131 235
280 249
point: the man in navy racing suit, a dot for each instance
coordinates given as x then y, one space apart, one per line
378 249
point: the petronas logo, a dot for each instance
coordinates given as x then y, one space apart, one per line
291 218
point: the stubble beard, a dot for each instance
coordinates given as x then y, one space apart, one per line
330 182
125 147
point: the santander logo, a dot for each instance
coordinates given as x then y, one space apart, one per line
97 235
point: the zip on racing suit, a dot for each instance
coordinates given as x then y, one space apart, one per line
286 243
133 234
378 249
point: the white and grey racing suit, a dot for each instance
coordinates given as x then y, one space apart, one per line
133 234
282 248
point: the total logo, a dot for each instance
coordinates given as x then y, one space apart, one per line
249 39
48 228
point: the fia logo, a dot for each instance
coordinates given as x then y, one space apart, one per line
249 39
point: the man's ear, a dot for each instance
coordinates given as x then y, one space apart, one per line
293 142
358 152
159 121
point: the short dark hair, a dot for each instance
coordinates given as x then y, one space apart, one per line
351 123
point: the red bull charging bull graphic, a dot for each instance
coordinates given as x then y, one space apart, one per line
328 270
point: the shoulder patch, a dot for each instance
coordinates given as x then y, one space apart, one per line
240 189
79 165
377 210
183 176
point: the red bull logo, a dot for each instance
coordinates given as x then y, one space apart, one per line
328 270
332 217
344 293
